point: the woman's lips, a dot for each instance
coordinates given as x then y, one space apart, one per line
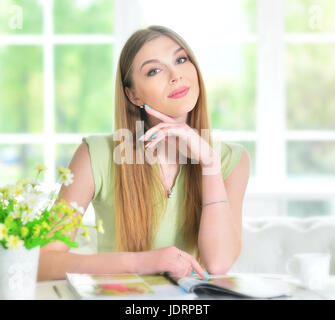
181 92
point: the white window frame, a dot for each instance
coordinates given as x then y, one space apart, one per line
49 138
270 185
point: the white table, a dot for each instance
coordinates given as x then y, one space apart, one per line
45 290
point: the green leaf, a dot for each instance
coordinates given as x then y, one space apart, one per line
31 243
10 207
66 239
3 244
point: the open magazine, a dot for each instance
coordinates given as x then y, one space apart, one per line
164 286
125 286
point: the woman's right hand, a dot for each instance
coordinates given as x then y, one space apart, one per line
169 259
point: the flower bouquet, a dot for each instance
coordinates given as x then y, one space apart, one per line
30 218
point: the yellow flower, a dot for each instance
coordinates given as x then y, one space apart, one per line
36 230
40 167
68 227
45 225
14 242
62 170
3 231
99 226
24 231
86 234
4 191
23 182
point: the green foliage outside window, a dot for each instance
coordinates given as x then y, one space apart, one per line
85 17
21 89
84 88
21 17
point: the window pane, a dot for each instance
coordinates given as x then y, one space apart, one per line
84 16
206 19
230 78
310 16
84 90
21 89
306 209
20 17
17 162
310 86
311 158
64 154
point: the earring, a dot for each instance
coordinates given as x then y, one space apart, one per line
141 107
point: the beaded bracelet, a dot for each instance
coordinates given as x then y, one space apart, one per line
206 204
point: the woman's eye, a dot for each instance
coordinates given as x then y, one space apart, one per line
182 58
150 73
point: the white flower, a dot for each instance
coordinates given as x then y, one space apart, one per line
66 178
14 242
65 175
31 199
15 214
35 200
26 217
74 205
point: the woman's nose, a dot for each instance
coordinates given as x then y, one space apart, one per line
175 76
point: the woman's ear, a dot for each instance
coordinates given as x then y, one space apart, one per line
132 97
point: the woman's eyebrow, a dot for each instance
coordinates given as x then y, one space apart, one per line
155 60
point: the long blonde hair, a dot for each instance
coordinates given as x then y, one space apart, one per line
137 208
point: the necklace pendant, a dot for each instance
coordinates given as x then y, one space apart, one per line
170 194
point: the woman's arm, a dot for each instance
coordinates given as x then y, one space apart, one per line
220 230
54 263
55 260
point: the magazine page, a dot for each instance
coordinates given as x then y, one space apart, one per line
238 285
125 286
189 283
253 285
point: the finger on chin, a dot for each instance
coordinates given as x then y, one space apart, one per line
159 115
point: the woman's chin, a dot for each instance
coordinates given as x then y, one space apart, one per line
178 116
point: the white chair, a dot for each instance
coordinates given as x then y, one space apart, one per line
267 243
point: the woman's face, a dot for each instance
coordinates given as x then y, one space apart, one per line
160 67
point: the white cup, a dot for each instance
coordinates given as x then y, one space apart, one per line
312 269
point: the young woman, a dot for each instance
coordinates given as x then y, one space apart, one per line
165 216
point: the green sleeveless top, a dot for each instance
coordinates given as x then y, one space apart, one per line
101 154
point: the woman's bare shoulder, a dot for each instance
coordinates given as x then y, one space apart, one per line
81 158
82 187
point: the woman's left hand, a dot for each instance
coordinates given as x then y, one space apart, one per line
197 147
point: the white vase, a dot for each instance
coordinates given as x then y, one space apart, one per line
18 273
